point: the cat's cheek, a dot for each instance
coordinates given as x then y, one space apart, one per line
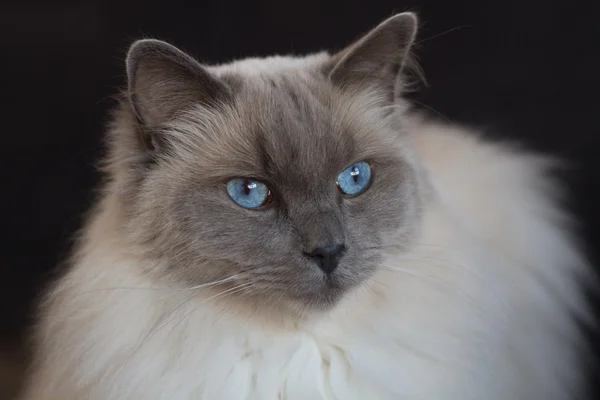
368 217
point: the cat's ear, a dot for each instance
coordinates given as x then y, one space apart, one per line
163 80
376 59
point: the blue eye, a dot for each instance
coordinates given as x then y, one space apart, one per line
355 179
248 193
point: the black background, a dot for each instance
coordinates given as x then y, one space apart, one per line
521 69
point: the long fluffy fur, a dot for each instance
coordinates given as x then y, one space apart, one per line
483 306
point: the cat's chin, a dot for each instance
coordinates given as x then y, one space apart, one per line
325 297
320 296
316 297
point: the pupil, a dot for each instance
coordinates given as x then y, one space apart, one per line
248 186
355 173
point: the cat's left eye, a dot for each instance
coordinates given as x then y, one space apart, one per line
249 193
355 179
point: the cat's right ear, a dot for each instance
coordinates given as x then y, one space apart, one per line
163 80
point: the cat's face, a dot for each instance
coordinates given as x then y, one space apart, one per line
283 178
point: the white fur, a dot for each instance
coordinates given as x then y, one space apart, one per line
483 308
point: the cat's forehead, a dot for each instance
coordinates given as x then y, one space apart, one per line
290 122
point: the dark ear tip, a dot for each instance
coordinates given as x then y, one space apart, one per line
408 16
142 45
408 21
138 49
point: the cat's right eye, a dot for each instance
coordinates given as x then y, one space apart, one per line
249 193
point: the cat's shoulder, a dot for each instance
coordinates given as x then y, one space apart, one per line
497 187
462 160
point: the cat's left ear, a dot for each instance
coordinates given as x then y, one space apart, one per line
376 60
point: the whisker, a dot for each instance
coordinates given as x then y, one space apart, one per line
372 280
411 256
443 262
431 109
456 28
438 281
529 270
403 245
154 330
222 294
209 284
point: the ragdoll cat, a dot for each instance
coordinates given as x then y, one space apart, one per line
285 228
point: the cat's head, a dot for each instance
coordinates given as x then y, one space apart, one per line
282 178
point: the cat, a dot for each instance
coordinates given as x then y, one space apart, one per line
288 228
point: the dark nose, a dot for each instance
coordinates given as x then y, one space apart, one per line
327 258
